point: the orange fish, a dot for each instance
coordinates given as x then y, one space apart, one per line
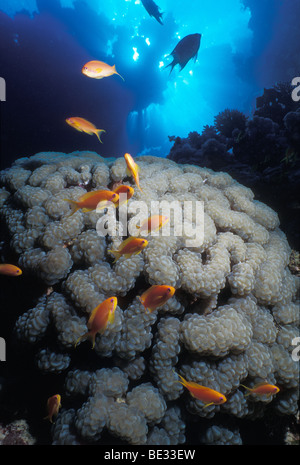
98 69
156 296
153 223
90 201
205 394
262 388
132 169
131 246
53 406
82 125
125 190
10 270
103 314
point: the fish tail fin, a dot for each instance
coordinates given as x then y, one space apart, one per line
85 336
248 389
115 253
115 71
172 64
183 381
98 132
177 380
74 206
159 18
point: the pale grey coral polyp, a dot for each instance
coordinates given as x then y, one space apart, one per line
231 320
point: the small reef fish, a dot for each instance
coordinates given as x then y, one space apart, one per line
207 395
261 389
152 9
90 201
53 406
103 314
156 296
98 70
153 223
125 190
186 49
83 125
130 246
10 270
132 169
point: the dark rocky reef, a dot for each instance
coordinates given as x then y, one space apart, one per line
261 151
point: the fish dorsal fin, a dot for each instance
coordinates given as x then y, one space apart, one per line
196 385
92 316
126 241
85 196
261 383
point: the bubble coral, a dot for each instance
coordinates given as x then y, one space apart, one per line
231 320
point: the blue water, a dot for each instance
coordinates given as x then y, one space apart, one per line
246 45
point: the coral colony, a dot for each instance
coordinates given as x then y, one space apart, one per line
231 320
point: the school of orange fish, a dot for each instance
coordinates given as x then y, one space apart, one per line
154 297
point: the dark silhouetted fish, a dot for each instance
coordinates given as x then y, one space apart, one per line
152 9
186 49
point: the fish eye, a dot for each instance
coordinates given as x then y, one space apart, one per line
111 300
169 290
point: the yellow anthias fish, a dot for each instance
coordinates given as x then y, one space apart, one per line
82 125
10 270
131 246
156 296
53 406
153 223
126 192
262 388
98 70
99 319
94 199
205 394
132 169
